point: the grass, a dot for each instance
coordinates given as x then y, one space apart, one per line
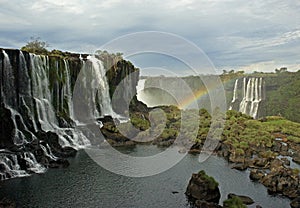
213 184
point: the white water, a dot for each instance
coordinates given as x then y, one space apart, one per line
39 98
252 96
67 92
11 167
45 110
235 96
139 89
96 88
48 152
34 166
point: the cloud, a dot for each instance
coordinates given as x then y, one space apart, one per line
232 32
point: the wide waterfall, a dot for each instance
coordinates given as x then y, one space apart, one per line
252 95
37 100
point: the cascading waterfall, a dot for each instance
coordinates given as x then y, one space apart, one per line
139 88
67 90
30 101
235 97
10 167
96 89
252 93
43 99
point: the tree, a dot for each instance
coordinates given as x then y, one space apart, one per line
281 70
109 59
36 45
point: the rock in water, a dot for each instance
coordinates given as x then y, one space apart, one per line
245 199
204 188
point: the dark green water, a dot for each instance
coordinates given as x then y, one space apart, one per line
85 184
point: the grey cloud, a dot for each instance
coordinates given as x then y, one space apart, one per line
231 32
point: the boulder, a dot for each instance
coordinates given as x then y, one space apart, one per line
260 162
234 202
256 174
239 166
282 180
60 163
245 199
296 159
203 187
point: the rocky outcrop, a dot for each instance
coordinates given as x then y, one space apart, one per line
112 135
203 189
203 192
126 76
282 179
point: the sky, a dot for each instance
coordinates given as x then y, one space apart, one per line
256 35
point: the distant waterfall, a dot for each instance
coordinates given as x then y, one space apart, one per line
235 97
36 91
252 95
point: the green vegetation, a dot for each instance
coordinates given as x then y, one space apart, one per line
283 90
234 202
281 87
109 59
37 46
139 122
213 184
241 133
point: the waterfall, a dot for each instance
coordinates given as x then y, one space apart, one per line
96 89
41 92
235 97
252 96
35 90
67 90
10 167
139 89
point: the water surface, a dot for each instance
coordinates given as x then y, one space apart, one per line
85 184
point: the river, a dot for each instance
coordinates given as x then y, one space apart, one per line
85 184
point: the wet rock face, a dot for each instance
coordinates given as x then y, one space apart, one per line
6 128
123 73
204 188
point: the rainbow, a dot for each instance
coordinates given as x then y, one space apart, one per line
198 94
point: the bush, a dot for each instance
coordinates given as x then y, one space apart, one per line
37 46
